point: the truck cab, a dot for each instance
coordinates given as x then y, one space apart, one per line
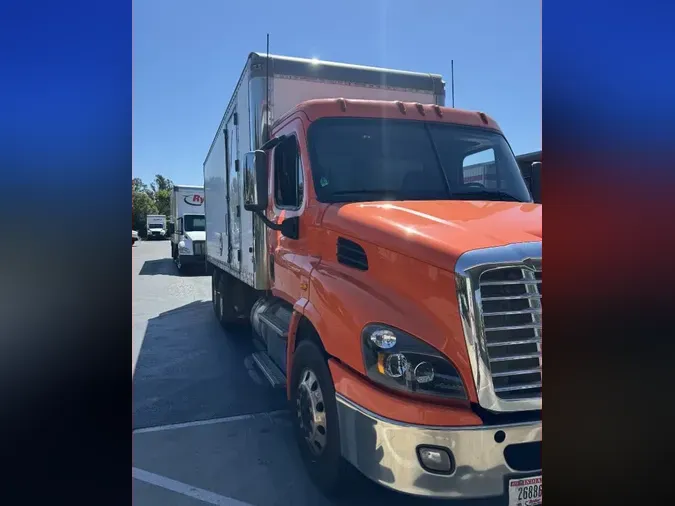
156 226
387 254
187 227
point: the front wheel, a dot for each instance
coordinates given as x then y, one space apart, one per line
316 419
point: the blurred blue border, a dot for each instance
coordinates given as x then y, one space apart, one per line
608 83
66 100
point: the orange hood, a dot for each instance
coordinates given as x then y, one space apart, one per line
436 232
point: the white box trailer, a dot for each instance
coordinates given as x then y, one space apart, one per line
187 225
270 87
155 226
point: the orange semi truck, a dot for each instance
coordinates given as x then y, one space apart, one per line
396 294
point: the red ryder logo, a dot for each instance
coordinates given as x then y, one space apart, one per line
194 200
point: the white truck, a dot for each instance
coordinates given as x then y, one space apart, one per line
187 226
155 226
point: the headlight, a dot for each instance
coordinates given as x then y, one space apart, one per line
400 361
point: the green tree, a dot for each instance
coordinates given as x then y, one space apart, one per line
161 183
163 202
145 200
137 185
142 204
161 192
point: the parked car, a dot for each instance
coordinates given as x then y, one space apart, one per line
134 237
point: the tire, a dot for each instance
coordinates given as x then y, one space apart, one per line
325 465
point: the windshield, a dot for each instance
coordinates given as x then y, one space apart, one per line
365 159
155 225
194 223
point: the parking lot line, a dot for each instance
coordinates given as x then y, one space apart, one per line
208 422
183 488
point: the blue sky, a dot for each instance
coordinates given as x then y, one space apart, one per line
188 55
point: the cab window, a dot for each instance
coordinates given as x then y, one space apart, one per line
288 175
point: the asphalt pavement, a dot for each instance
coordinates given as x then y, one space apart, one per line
207 426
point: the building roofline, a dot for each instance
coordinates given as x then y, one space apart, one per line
534 156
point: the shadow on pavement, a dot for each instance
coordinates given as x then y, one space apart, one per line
161 266
167 267
190 369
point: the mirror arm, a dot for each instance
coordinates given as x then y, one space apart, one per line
270 224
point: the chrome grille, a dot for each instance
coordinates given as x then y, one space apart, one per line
198 247
511 311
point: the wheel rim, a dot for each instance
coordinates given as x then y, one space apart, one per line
311 412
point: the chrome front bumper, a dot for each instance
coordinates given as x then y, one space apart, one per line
386 452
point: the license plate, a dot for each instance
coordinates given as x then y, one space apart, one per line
525 491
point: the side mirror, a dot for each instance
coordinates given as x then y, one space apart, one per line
290 227
535 182
255 181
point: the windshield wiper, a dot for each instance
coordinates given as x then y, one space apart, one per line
487 195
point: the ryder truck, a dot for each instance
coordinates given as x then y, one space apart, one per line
155 226
397 295
186 226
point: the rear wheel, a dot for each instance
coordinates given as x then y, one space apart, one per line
316 420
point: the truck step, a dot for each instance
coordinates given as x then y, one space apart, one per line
269 369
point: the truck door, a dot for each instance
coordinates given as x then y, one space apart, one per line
233 193
288 200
